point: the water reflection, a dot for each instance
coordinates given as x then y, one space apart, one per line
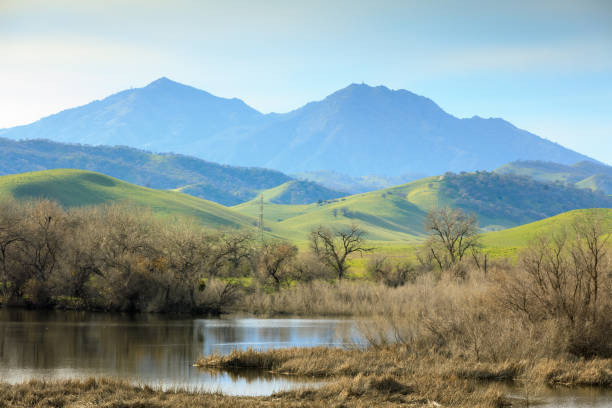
151 349
560 397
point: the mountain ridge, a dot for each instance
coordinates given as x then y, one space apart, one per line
358 130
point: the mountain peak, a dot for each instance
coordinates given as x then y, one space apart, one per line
163 82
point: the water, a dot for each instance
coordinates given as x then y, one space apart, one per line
160 351
152 349
560 397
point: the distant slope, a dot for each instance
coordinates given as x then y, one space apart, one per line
359 130
355 185
584 174
398 213
300 192
73 188
227 185
519 237
507 199
601 182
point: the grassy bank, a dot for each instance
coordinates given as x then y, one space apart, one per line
360 391
408 366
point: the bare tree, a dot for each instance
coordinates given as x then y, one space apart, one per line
334 247
275 260
562 277
9 237
392 275
228 252
589 254
452 234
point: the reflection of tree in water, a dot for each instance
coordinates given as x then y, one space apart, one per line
144 347
115 343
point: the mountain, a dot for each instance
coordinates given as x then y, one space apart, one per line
227 185
163 116
584 174
75 188
359 130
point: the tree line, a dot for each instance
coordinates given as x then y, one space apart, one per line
121 258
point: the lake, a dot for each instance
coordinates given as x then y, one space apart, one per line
160 350
152 349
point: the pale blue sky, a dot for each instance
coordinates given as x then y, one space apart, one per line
546 66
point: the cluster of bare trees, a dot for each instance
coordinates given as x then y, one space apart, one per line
562 280
567 278
122 258
116 258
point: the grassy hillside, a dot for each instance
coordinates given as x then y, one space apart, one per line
72 188
509 200
518 237
392 214
601 182
227 185
584 174
300 192
397 213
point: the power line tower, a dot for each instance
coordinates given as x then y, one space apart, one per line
261 208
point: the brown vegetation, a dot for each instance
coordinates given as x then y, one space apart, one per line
116 258
429 333
359 391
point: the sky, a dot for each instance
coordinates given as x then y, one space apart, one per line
545 66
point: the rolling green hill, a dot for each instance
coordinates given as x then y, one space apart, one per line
392 215
519 237
601 182
397 213
584 174
227 185
73 188
300 192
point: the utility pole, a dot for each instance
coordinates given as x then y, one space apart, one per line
261 205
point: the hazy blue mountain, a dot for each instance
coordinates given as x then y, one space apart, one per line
363 130
584 174
359 130
228 185
163 116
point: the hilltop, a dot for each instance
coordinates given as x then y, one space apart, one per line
359 130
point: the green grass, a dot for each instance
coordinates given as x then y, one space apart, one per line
393 217
514 239
393 214
77 188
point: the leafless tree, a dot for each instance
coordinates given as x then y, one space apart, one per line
589 255
10 235
333 248
275 262
452 234
392 275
